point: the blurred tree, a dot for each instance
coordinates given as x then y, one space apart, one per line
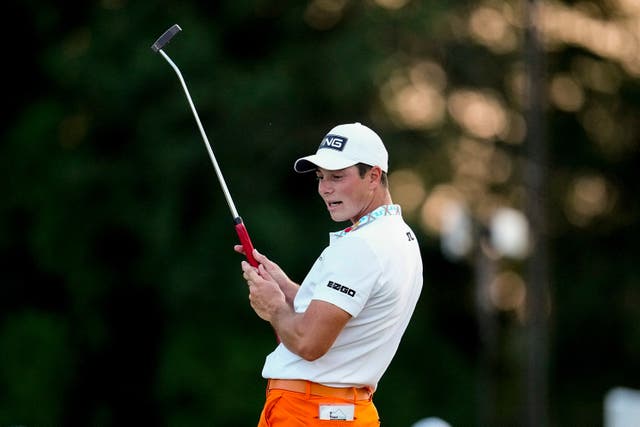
121 300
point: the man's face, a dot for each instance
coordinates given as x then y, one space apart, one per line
346 195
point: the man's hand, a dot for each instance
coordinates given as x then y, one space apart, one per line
275 273
271 293
265 295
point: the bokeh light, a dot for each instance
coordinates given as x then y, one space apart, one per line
324 14
392 4
588 197
407 189
490 27
479 113
413 96
566 93
507 291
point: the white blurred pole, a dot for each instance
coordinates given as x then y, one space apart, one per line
622 408
485 272
431 422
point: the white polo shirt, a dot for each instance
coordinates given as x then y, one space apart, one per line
373 271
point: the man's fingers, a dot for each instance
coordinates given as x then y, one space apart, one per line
259 257
262 259
248 270
239 249
249 275
262 270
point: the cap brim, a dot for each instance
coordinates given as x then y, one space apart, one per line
324 159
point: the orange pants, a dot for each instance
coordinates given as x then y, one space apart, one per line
285 408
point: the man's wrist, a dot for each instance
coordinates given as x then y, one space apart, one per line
280 313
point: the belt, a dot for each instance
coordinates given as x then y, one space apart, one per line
303 386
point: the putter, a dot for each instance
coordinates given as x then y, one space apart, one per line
237 220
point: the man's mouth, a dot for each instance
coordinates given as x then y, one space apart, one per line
333 204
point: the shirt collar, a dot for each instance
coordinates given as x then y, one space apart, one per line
384 210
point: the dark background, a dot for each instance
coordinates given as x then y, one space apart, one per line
121 299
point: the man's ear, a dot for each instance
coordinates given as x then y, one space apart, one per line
375 174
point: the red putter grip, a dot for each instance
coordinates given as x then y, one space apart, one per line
245 241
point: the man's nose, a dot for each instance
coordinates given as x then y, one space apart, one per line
324 187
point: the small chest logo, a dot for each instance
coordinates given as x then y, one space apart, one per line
343 289
335 142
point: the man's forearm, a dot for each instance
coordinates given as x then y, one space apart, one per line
290 329
309 334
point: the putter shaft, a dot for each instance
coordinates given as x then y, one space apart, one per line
241 230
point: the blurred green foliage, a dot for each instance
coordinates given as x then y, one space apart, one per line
121 300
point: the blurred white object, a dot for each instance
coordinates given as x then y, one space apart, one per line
457 239
622 408
509 231
431 422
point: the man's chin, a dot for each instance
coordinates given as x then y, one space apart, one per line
339 218
336 217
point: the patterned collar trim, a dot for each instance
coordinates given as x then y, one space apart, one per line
384 210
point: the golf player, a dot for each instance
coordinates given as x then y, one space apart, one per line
341 327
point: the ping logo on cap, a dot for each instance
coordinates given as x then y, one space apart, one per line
335 142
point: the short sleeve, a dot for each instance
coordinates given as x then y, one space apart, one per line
349 273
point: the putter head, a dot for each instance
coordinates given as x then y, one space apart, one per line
166 37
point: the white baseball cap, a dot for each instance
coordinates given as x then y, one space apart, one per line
346 145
